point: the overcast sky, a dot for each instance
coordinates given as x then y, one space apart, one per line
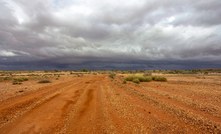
109 34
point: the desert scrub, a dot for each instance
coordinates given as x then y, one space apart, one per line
145 79
84 70
136 81
79 75
15 82
124 82
140 78
44 81
112 75
94 73
21 79
147 74
6 78
33 75
131 77
160 78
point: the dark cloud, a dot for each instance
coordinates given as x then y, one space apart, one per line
106 34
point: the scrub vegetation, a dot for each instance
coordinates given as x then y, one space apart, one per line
141 78
44 81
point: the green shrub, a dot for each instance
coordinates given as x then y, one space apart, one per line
47 74
21 79
56 70
124 82
6 78
140 78
131 77
112 75
160 78
33 75
44 81
15 82
145 79
136 81
148 78
94 73
25 79
84 70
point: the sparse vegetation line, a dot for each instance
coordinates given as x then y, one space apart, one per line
140 78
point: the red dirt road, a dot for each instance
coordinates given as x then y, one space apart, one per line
95 104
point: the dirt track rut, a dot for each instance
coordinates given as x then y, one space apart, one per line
95 104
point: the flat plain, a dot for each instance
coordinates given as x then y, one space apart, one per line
95 103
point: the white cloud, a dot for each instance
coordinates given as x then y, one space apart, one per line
171 19
5 53
17 11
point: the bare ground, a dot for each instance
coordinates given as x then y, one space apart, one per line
95 104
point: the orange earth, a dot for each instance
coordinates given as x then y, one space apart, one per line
96 104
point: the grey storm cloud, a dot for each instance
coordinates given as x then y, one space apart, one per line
66 33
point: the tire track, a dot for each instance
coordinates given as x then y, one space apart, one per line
89 111
55 109
13 108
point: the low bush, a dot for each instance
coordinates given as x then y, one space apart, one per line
140 78
6 78
25 79
131 77
160 78
136 81
124 82
112 75
15 82
47 74
58 74
44 81
84 70
21 79
145 79
33 75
